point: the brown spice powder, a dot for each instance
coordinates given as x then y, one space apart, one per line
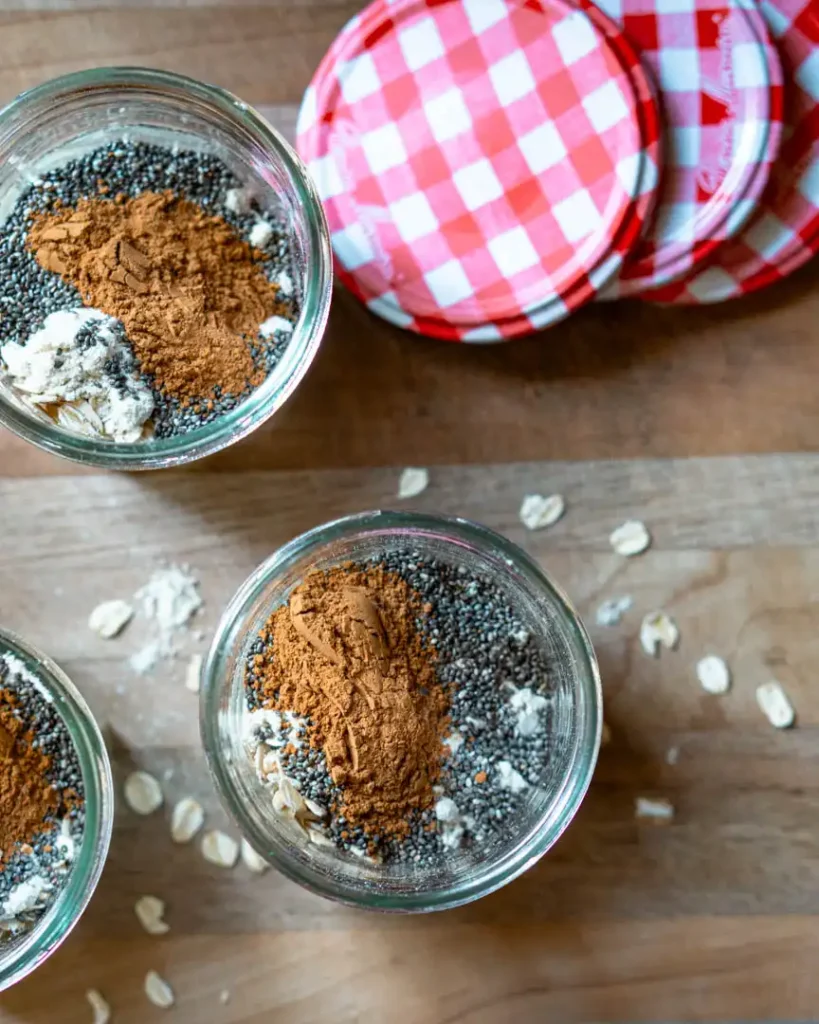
345 652
190 292
26 795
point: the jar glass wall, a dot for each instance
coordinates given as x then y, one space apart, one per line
574 733
22 954
70 116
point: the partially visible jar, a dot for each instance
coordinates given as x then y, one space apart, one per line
74 114
573 682
21 954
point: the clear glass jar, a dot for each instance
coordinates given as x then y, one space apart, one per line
552 623
80 111
20 956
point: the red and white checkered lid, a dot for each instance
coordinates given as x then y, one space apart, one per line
485 165
720 84
784 233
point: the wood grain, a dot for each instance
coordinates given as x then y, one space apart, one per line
711 918
614 381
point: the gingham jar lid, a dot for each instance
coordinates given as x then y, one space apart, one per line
720 85
485 165
784 233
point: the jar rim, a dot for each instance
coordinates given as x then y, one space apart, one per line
265 400
506 557
36 945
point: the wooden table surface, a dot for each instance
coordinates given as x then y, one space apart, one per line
679 417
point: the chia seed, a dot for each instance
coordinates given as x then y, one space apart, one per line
28 293
484 654
48 855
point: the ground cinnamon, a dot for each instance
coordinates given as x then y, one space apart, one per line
26 796
190 292
345 653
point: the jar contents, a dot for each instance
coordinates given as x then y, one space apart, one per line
396 709
145 293
41 800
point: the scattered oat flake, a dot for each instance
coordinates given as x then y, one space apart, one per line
220 849
413 481
632 538
150 911
611 611
658 630
775 705
187 817
99 1007
143 793
537 512
224 996
253 860
193 673
654 808
713 674
158 991
110 618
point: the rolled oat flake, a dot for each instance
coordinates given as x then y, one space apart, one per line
143 794
413 481
158 991
775 705
537 512
713 675
150 911
187 818
632 538
220 849
99 1007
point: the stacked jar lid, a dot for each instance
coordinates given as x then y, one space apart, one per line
489 166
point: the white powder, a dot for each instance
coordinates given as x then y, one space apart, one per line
285 283
509 778
453 824
80 362
170 597
446 810
612 610
23 898
260 234
454 741
145 659
273 324
527 706
169 600
238 200
18 669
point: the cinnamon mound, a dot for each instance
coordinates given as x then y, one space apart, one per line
346 654
190 292
26 795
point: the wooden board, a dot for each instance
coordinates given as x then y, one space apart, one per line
714 917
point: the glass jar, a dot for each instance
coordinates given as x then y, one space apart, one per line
72 115
21 955
574 682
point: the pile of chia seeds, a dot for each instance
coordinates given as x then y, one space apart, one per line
484 656
28 293
34 875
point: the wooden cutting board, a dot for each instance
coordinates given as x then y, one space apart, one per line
713 917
